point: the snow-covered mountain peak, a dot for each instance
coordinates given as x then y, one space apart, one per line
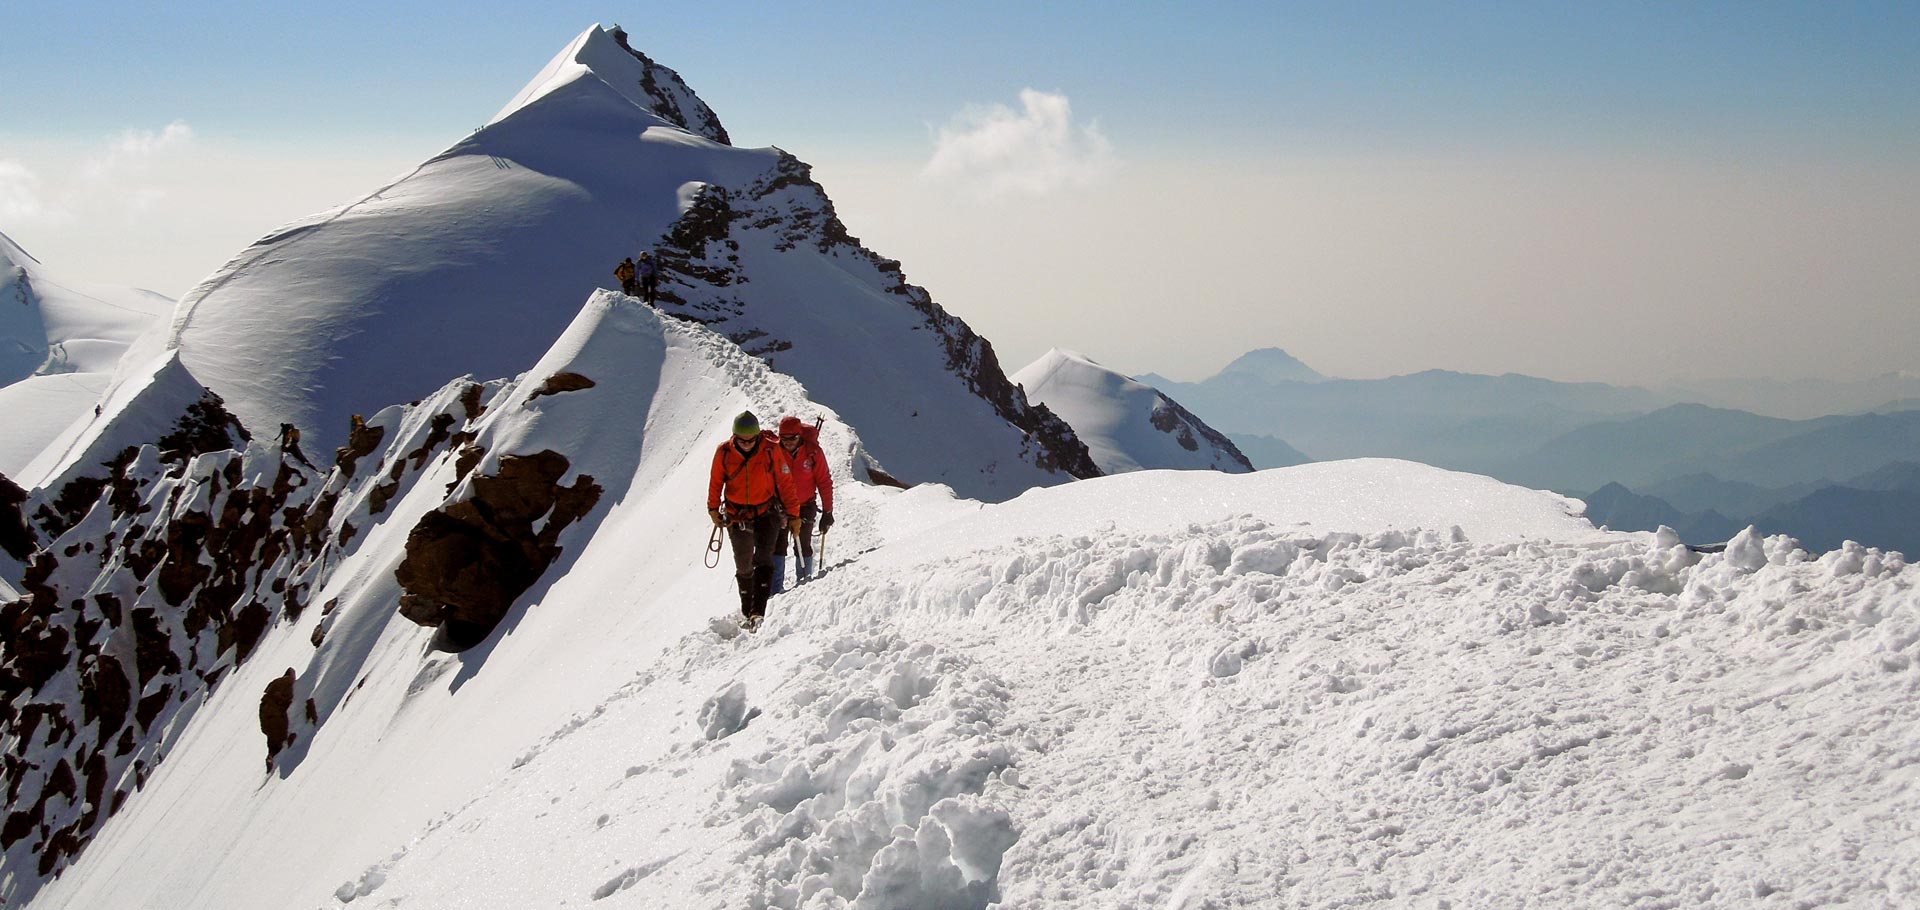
11 255
1272 365
605 54
60 342
1126 424
474 262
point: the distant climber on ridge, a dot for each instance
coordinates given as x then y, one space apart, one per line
290 443
801 443
751 494
625 272
649 276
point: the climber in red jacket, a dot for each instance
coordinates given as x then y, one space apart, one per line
801 444
751 493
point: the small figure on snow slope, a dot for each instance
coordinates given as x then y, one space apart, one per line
625 272
751 494
290 443
801 443
648 270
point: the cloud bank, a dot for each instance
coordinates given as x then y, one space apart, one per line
1036 150
122 181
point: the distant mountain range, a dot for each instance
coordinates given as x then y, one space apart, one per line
1878 509
1641 457
1801 399
1454 420
1731 445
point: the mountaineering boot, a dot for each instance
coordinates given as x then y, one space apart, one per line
805 572
746 594
762 589
779 574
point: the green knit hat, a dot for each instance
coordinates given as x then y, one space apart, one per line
746 425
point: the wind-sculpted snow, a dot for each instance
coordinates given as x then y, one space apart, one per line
1238 710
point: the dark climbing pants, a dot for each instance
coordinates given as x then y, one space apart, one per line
808 513
753 550
649 286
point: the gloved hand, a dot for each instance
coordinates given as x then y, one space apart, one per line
715 515
793 526
826 520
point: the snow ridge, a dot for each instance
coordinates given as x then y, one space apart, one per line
1237 712
1126 424
605 55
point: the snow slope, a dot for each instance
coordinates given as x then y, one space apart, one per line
60 342
402 734
1126 424
382 300
1355 682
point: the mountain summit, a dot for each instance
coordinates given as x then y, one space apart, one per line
1271 365
475 261
1127 424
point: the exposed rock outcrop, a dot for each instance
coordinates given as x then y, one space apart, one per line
468 561
16 538
562 382
704 272
150 578
672 99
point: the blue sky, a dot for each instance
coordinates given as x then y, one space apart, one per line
1801 75
1407 168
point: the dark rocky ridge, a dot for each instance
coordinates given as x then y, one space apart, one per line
702 271
151 577
1186 429
673 100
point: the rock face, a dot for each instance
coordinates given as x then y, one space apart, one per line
15 539
469 560
673 100
708 259
140 602
150 576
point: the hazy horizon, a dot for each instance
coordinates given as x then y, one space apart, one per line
1648 197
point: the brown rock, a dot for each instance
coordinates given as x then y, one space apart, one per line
274 722
562 382
361 441
468 561
16 539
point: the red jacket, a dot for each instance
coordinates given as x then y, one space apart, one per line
753 483
810 472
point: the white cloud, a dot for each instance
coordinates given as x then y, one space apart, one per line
125 179
1036 150
19 193
134 150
